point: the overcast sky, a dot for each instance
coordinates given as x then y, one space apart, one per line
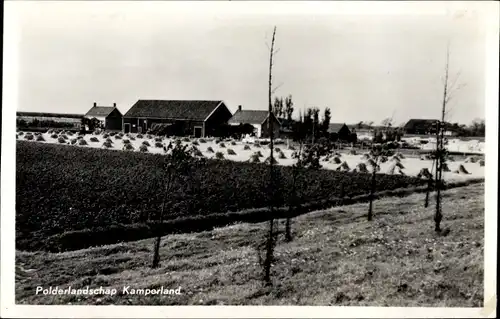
364 67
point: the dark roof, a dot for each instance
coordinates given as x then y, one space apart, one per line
335 127
100 111
249 116
419 122
37 114
173 109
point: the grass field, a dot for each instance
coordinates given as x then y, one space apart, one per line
336 258
61 188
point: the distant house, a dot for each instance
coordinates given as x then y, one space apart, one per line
198 118
258 119
339 131
49 120
420 127
109 116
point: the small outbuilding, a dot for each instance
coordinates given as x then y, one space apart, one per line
109 116
259 119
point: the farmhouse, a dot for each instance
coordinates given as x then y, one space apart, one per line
109 116
49 120
258 119
199 118
339 131
420 127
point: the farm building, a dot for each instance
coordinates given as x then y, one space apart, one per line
49 120
109 116
198 118
427 127
258 119
339 131
420 127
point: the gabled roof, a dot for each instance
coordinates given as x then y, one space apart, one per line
100 111
249 116
335 127
173 109
419 122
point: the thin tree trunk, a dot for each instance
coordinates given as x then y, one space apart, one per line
156 255
372 191
269 248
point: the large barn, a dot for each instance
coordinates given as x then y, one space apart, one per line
258 119
197 118
109 116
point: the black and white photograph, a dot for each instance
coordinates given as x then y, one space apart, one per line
338 156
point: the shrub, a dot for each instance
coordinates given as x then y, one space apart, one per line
40 138
54 136
143 148
230 152
94 139
202 140
82 142
222 145
107 144
247 147
29 137
159 144
210 149
126 141
73 141
61 140
219 155
128 147
146 143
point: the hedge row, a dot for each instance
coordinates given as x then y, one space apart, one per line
116 233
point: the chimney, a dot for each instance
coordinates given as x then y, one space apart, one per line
239 107
114 104
95 104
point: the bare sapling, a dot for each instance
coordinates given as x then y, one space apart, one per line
441 153
270 237
176 165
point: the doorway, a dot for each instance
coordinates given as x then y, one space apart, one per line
127 128
198 131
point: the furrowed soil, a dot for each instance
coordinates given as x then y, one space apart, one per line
336 258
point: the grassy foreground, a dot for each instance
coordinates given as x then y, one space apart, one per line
336 258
